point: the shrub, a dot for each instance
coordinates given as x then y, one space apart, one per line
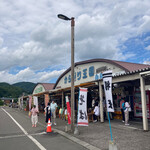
1 103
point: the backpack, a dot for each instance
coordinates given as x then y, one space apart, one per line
123 106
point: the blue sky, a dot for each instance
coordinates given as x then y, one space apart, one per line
139 45
35 44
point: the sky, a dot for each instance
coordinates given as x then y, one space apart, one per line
35 45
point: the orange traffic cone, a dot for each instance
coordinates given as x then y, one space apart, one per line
49 126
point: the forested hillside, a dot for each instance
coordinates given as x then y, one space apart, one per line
27 86
16 90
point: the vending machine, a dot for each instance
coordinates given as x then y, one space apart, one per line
138 105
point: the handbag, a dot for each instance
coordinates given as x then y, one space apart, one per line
129 109
29 114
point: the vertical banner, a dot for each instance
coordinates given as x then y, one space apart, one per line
107 80
35 100
82 108
21 103
68 110
30 102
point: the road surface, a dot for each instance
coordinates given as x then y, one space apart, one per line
17 133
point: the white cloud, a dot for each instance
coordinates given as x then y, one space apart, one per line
147 38
146 62
148 47
1 41
29 75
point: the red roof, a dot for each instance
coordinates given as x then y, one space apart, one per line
131 66
47 86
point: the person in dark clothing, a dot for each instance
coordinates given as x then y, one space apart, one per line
122 110
48 113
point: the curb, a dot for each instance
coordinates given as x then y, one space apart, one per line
76 140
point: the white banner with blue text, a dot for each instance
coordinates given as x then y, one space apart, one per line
107 80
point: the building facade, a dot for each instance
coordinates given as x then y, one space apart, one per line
130 80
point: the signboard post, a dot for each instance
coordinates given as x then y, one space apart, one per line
107 80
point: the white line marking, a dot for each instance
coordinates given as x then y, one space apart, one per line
11 136
25 132
15 136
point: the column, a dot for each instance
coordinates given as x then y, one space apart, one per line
101 102
143 101
46 99
62 99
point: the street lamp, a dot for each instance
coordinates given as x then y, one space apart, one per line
72 66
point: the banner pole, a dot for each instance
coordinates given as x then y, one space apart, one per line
110 127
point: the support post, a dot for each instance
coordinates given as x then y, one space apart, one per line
143 101
46 96
62 99
101 102
72 73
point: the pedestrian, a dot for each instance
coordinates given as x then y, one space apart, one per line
34 116
66 114
93 102
53 107
121 108
48 112
96 112
126 112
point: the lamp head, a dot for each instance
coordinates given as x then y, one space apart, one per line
63 17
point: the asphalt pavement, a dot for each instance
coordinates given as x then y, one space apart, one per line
17 133
94 137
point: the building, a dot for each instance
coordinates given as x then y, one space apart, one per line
7 100
41 91
129 80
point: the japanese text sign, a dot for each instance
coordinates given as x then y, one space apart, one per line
82 108
107 80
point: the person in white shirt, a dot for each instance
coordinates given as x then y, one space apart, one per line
96 112
93 103
126 112
53 107
66 116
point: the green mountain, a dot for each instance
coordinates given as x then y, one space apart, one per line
7 90
26 86
16 90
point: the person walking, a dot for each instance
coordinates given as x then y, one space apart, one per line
96 112
53 107
122 110
126 111
34 116
48 112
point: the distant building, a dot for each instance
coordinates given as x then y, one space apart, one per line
6 100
